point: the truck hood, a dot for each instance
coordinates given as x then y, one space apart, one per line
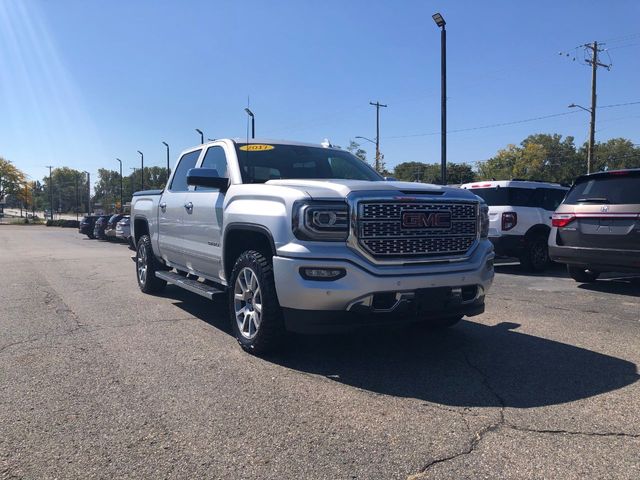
342 188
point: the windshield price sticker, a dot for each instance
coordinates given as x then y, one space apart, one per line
256 147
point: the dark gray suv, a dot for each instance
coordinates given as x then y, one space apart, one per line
596 229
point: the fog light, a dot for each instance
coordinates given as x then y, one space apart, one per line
322 274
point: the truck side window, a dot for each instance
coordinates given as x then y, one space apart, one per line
217 160
179 181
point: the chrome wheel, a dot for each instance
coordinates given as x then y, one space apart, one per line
247 302
142 265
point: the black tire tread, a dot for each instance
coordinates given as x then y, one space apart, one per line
153 283
526 259
582 275
271 333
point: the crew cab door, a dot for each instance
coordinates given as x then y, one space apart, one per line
171 210
203 219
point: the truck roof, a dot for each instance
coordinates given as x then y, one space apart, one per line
513 183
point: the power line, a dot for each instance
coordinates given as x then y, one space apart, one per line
619 104
482 127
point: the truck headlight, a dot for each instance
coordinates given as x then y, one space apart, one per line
324 221
484 220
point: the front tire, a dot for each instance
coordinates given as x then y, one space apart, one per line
535 258
147 266
582 275
256 316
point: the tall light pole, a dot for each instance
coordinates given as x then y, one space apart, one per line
121 195
133 177
253 122
141 169
50 193
443 96
201 135
377 105
88 192
77 198
168 169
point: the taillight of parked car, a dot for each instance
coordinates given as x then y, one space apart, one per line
509 220
562 219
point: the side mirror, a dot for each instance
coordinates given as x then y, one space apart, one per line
207 177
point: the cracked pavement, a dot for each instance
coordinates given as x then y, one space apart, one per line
99 381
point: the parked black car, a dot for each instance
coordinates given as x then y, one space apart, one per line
110 230
87 225
100 226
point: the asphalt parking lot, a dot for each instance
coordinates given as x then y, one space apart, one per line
100 381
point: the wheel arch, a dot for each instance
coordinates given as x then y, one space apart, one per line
140 228
538 230
239 237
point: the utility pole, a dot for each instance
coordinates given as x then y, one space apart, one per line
592 125
50 192
377 105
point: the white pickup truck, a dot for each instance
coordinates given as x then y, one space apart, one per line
308 238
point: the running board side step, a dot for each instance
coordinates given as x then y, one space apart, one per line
194 286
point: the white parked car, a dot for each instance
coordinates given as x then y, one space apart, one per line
520 217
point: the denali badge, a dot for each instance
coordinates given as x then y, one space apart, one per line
418 219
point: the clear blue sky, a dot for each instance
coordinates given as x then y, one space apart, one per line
84 82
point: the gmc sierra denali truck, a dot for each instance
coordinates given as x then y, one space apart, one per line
309 238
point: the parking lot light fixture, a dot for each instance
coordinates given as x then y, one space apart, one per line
201 135
168 169
141 169
253 122
367 139
438 18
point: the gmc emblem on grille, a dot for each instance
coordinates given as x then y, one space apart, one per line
417 219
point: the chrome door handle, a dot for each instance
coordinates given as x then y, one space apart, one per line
188 206
163 206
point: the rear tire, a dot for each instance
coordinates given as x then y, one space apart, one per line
535 258
582 275
91 236
147 266
255 314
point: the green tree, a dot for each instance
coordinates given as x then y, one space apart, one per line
614 154
354 147
546 157
63 190
12 179
430 172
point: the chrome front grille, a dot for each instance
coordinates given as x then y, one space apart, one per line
381 233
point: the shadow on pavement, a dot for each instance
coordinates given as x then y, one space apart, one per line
470 365
619 285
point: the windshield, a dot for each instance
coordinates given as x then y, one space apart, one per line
611 189
547 198
260 163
